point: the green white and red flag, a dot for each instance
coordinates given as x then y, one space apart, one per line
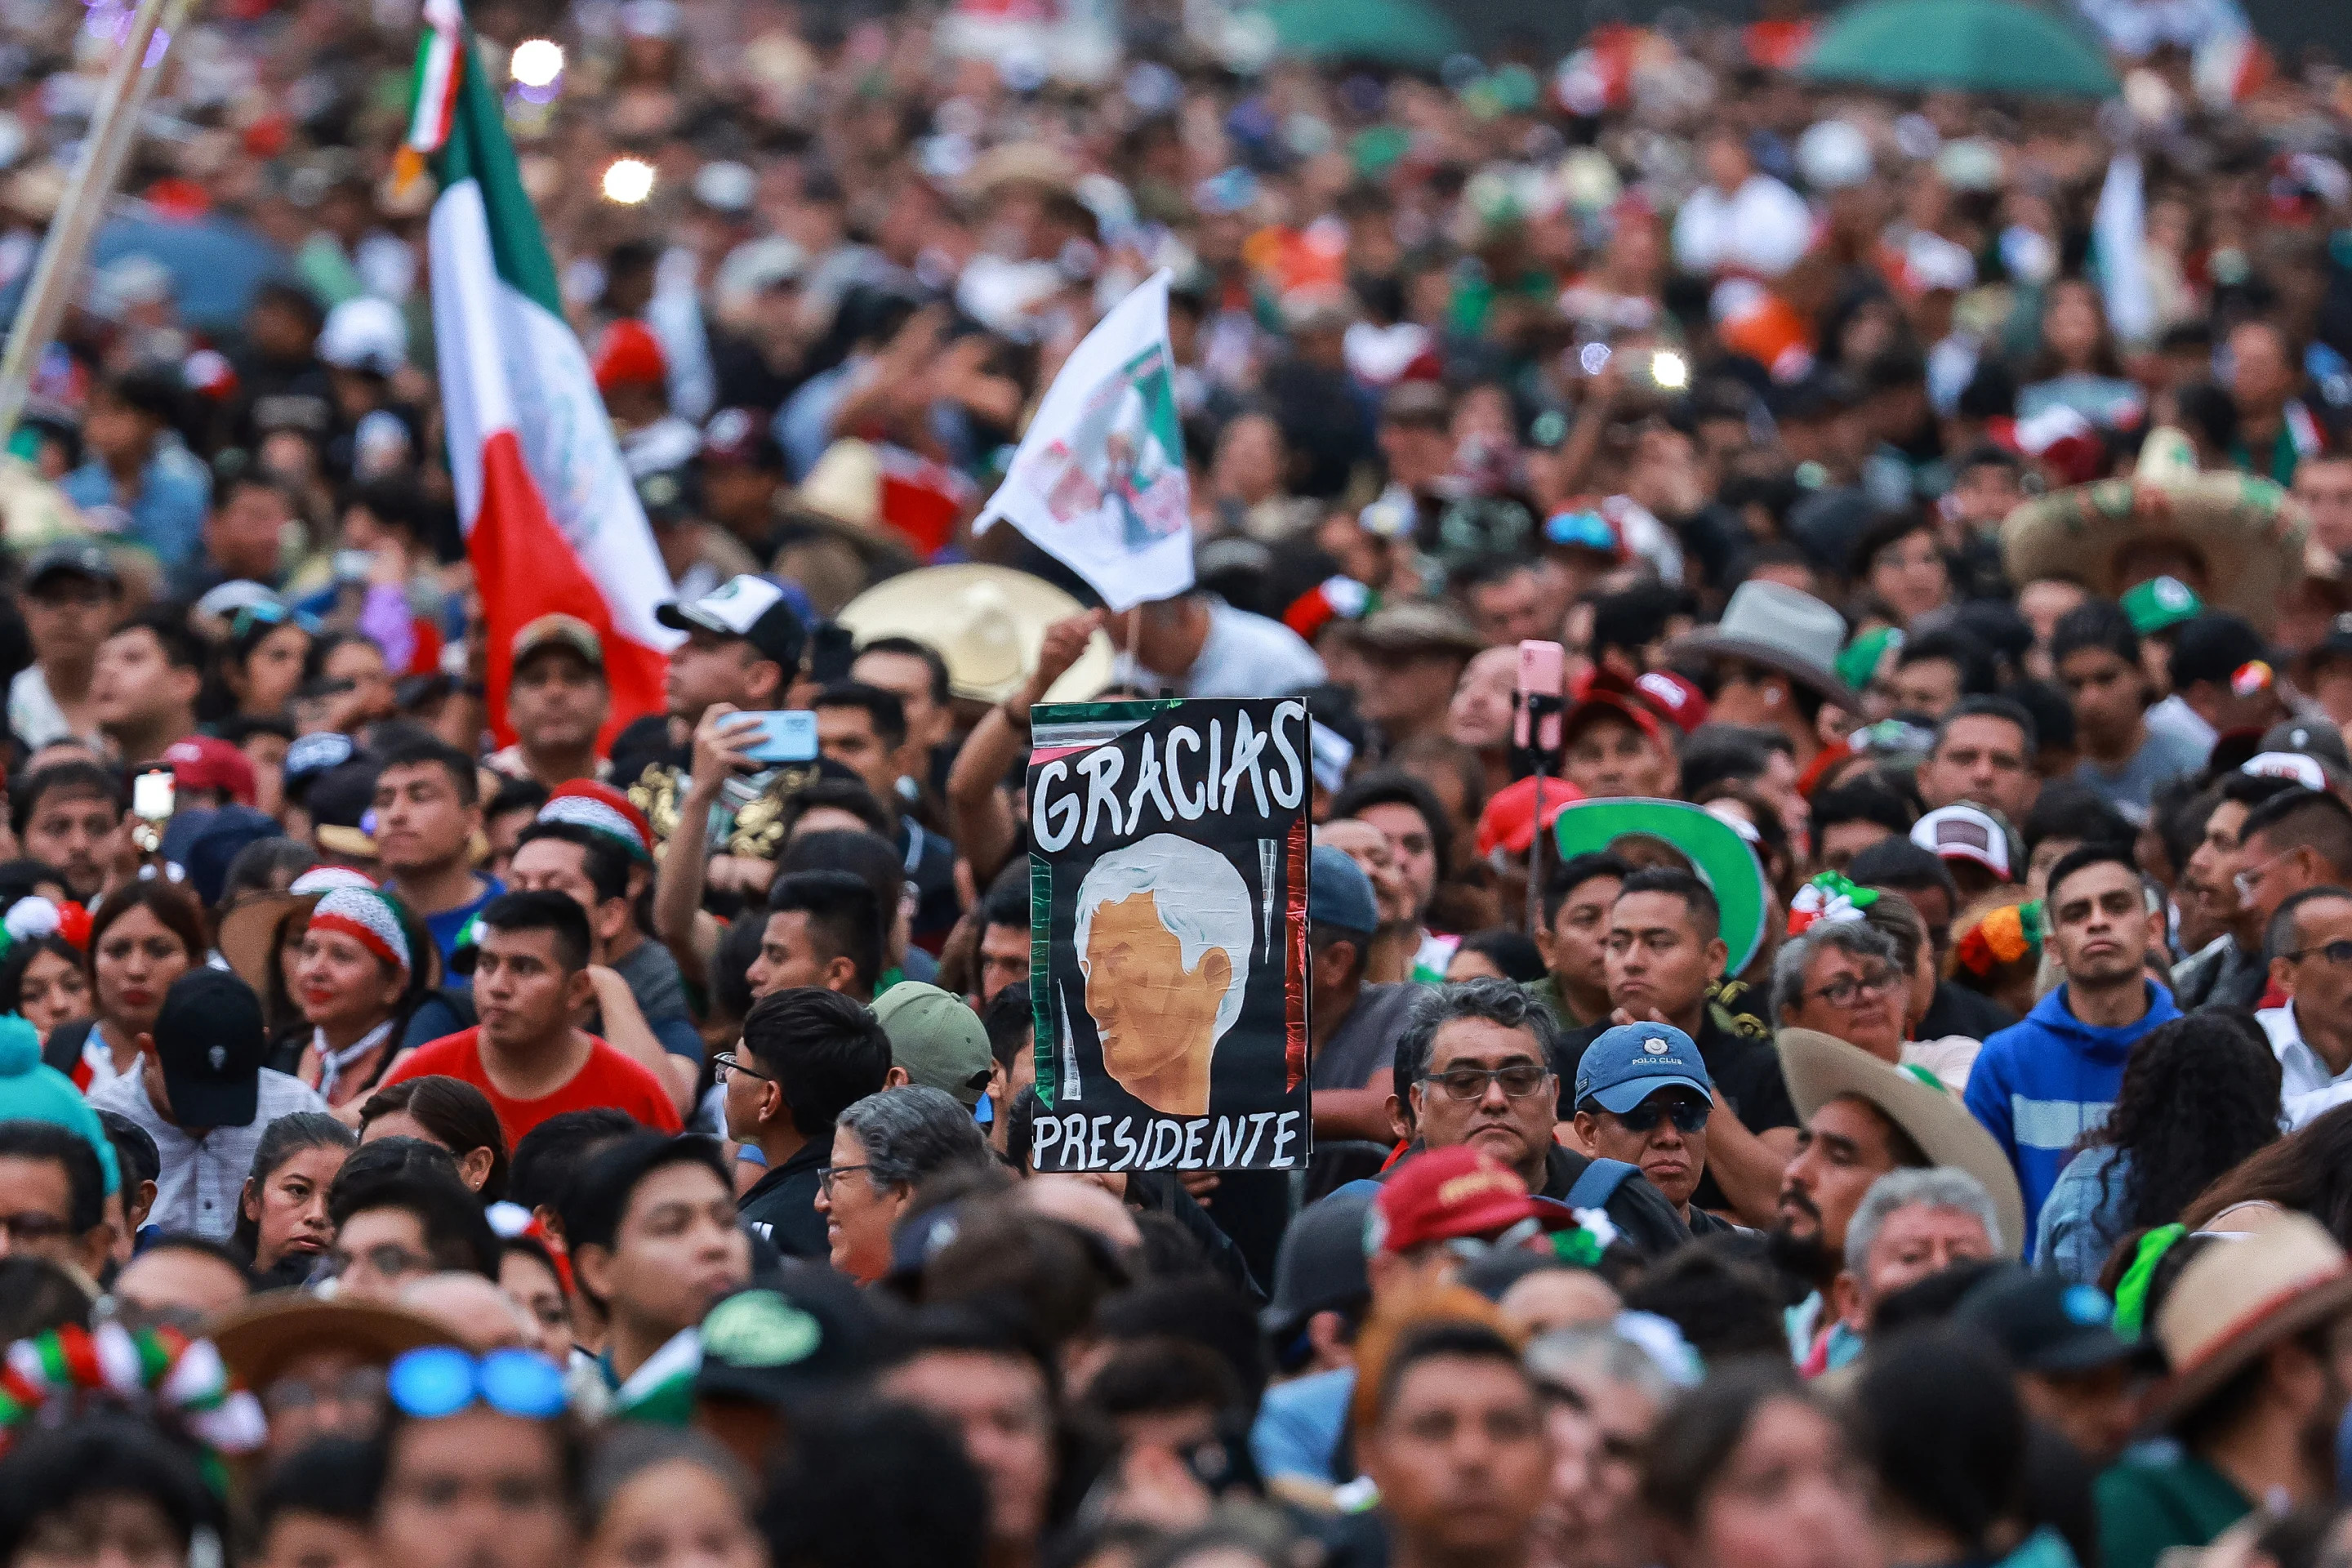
551 519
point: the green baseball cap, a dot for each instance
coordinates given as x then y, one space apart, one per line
936 1039
2161 603
1863 655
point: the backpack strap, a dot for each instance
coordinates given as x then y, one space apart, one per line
1598 1182
62 1050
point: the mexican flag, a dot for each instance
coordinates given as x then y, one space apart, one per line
551 519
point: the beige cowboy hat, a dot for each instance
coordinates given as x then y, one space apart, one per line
987 622
1822 1068
2250 537
842 496
259 1338
2237 1298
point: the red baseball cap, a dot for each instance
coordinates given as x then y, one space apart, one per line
206 762
1677 700
1449 1195
1508 822
628 354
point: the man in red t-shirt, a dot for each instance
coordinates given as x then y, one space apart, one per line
531 980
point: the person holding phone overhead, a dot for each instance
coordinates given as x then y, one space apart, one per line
743 648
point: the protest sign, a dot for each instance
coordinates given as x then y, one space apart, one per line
1168 921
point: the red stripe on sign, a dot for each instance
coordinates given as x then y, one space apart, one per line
526 569
1293 967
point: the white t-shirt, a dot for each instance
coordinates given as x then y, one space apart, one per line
1762 227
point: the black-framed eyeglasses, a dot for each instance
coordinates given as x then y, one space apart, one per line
727 1063
1689 1116
1846 990
2338 951
1518 1081
827 1175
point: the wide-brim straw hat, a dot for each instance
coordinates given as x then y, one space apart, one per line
2237 1298
2250 535
987 622
257 1340
1821 1068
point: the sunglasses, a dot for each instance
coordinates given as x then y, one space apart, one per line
1470 1083
1581 530
252 615
442 1380
1689 1116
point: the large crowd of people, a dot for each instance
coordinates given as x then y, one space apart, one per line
460 1126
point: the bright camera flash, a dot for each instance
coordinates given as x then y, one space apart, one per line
628 181
537 62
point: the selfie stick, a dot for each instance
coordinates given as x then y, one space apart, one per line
1542 704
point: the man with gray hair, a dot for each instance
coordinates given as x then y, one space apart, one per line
1911 1223
1843 978
1164 929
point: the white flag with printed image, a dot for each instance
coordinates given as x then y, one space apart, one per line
1099 483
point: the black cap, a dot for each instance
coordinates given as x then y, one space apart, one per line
1321 1266
73 558
665 496
747 606
2214 647
802 1332
2044 1324
209 1042
2318 739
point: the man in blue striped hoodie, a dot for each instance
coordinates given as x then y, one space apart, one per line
2040 1084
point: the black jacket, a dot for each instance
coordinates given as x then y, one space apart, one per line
1644 1220
780 1207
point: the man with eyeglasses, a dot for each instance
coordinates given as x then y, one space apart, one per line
2309 945
1643 1097
2300 840
52 1193
1476 1065
807 1054
2039 1085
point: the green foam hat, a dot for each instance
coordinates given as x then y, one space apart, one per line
1712 847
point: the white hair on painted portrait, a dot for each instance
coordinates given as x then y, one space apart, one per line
1201 899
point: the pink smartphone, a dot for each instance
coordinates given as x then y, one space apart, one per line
1543 667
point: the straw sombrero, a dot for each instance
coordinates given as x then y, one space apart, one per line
987 622
1822 1068
2248 534
2237 1298
258 1339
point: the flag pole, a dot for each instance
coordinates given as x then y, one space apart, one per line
114 128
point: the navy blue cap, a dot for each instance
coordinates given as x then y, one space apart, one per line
1339 894
1633 1062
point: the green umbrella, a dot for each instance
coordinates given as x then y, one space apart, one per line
1975 46
1389 31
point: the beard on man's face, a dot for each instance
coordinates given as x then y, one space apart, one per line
1795 1244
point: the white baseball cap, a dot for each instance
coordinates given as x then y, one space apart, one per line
1964 832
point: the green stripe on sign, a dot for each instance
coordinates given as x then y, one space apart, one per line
1041 977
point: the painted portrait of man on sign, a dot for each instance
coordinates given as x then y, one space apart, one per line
1163 940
